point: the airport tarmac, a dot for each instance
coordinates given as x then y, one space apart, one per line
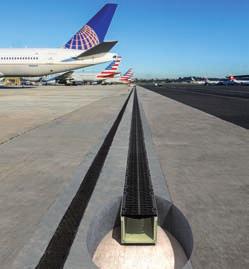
230 103
45 134
205 162
23 109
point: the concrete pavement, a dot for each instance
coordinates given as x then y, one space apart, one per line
205 161
39 156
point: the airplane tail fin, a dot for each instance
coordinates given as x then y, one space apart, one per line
94 32
112 69
127 76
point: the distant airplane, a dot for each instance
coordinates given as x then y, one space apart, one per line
213 82
74 78
233 80
208 81
85 48
198 82
127 78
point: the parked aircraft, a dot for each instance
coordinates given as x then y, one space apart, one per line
213 82
235 81
76 78
87 47
198 82
127 78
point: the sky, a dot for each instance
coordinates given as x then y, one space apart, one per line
160 38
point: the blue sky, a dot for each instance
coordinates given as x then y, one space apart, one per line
157 38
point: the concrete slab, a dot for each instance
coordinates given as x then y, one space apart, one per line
96 238
102 215
42 158
22 109
103 208
205 160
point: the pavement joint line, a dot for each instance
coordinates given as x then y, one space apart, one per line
31 253
10 139
102 212
153 159
161 189
215 172
59 246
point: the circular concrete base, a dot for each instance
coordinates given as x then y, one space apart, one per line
166 254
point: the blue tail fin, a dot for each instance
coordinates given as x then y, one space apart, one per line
94 32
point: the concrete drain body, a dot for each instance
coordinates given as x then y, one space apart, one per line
174 243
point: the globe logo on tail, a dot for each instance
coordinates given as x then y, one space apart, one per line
85 39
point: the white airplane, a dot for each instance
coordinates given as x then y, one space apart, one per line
198 82
85 48
127 78
213 82
234 81
75 78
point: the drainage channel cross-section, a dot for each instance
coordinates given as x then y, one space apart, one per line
138 210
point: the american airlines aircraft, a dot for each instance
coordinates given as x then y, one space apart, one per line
75 78
85 48
236 81
127 78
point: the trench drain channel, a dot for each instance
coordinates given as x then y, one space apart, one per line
138 210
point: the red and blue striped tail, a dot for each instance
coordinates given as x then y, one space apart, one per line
111 69
127 76
94 32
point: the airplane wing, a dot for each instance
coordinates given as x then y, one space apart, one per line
101 48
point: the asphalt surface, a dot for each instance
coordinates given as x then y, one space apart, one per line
230 103
205 163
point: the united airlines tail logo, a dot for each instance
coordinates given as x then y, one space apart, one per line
85 39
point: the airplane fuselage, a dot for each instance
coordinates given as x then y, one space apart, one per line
42 62
241 82
212 82
117 80
87 77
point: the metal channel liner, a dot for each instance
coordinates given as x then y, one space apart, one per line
138 210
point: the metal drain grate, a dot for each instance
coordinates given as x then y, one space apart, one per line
138 211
